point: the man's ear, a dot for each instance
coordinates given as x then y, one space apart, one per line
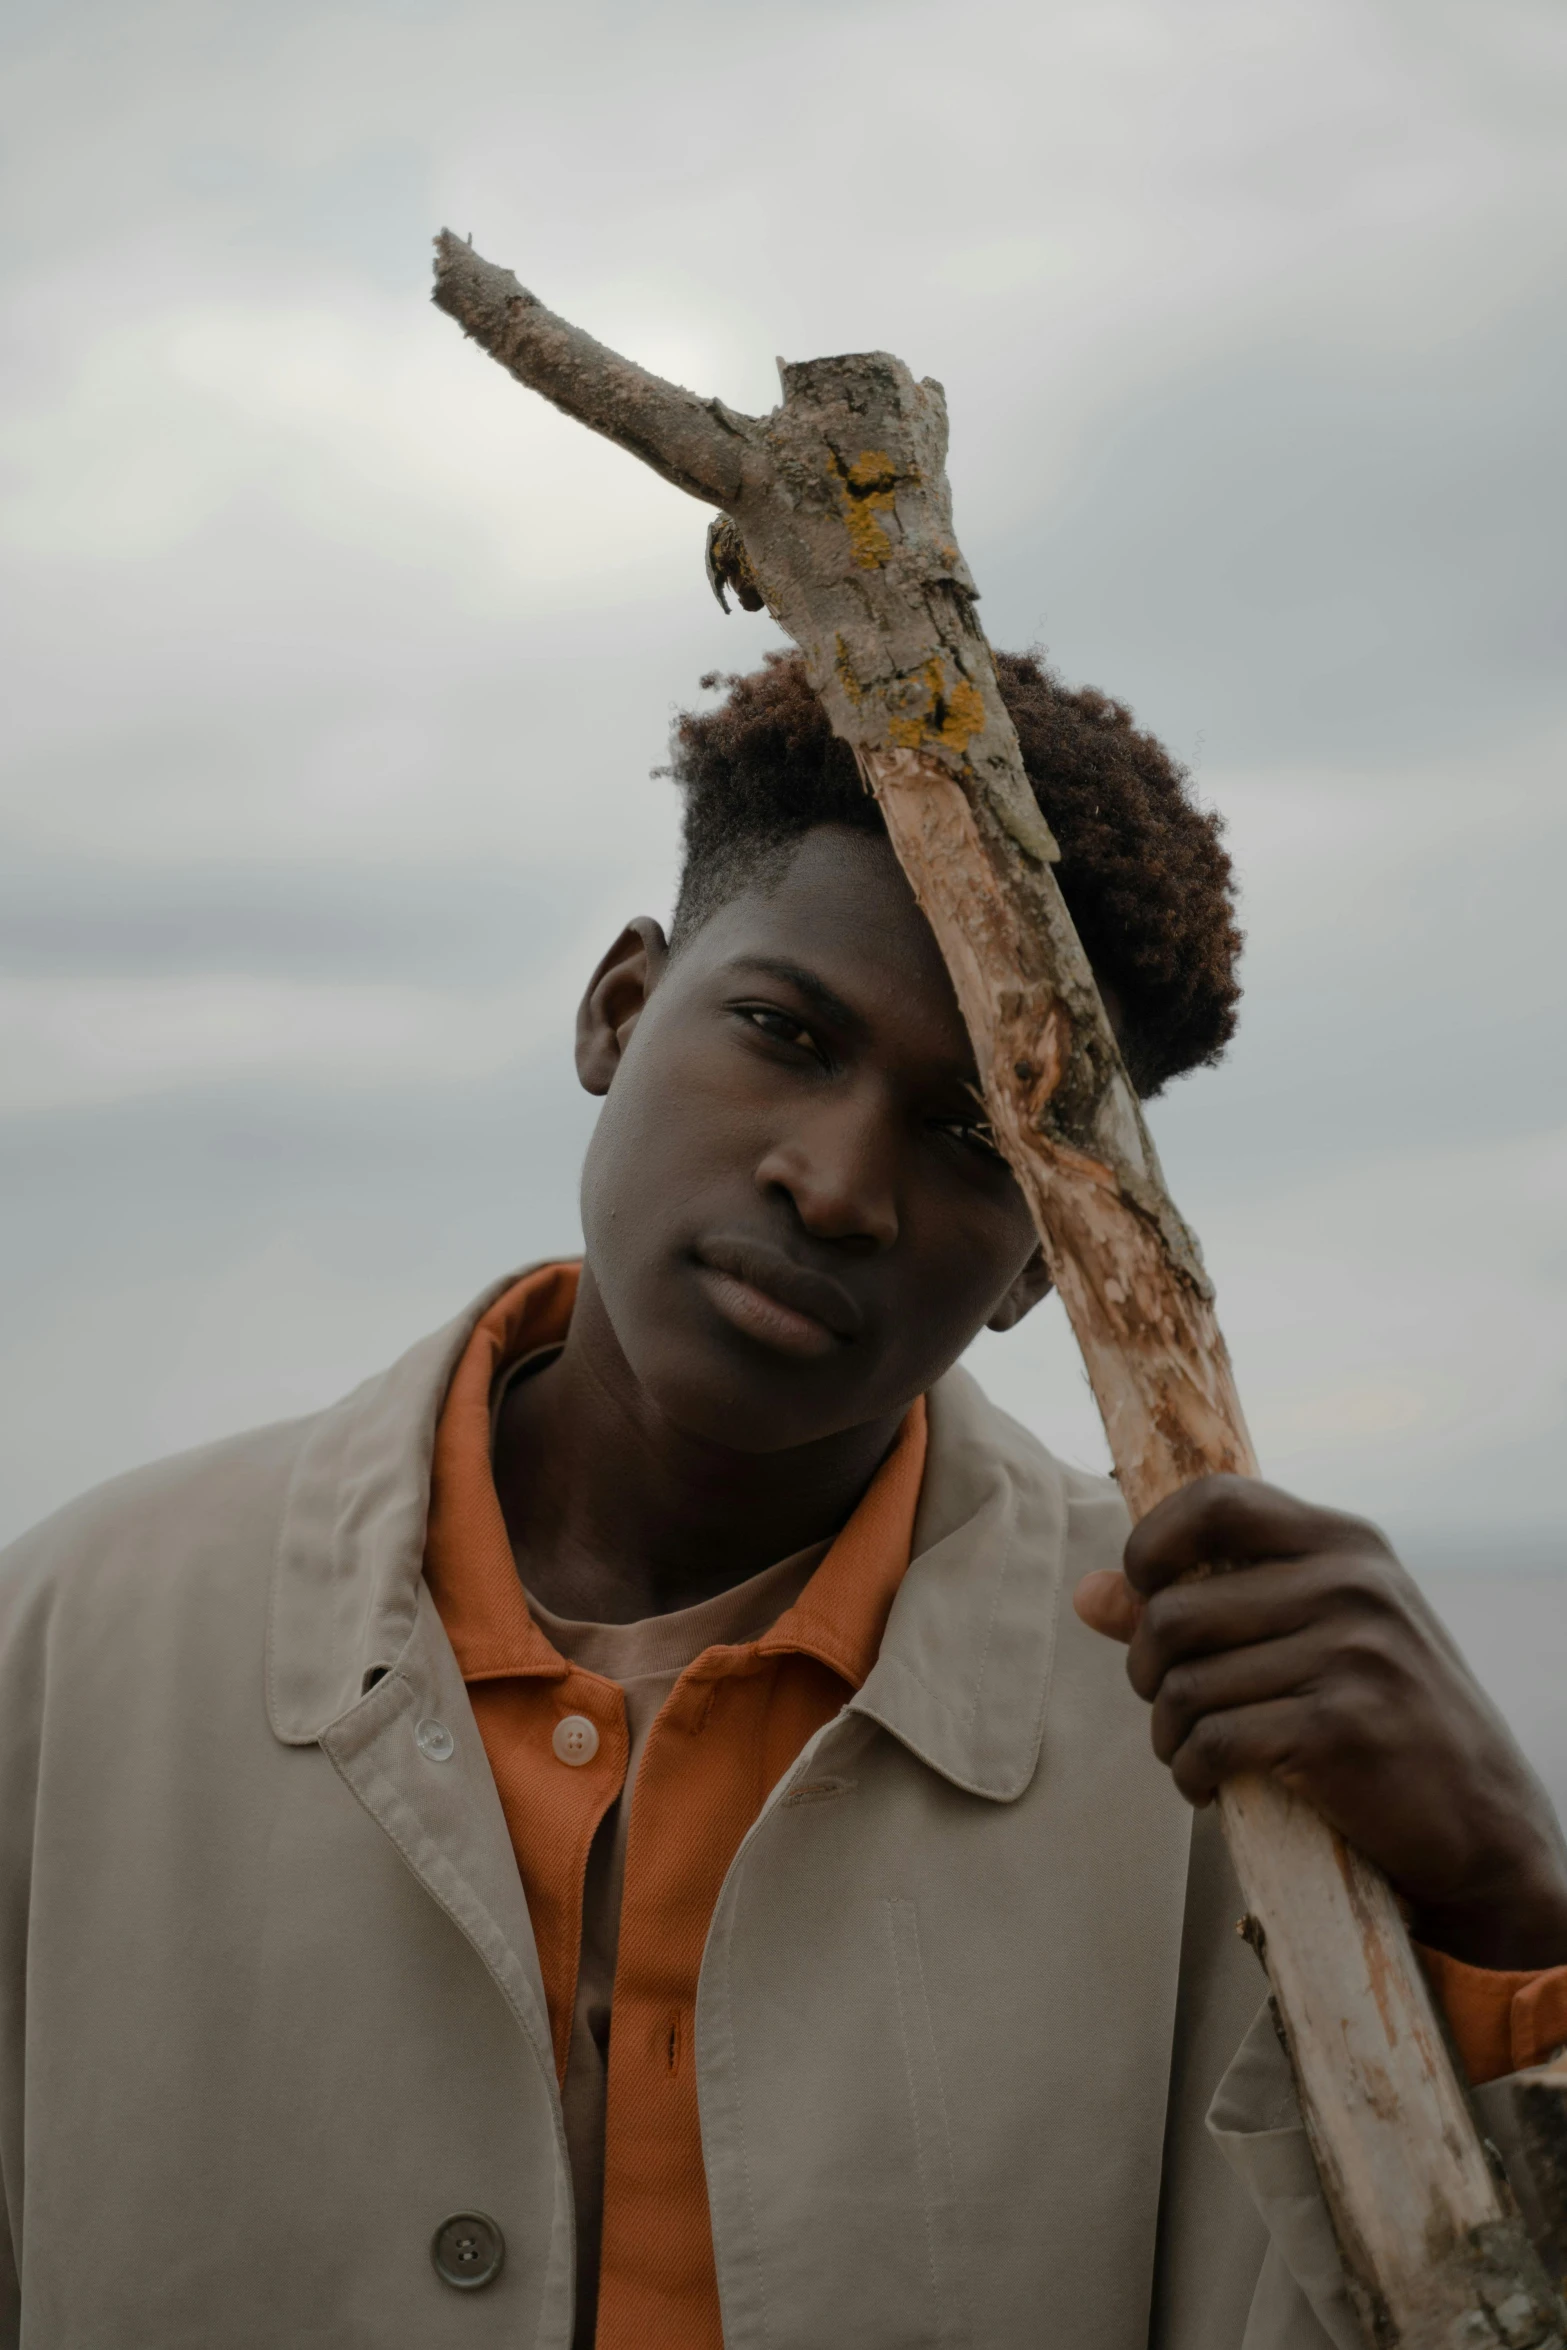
1031 1285
617 993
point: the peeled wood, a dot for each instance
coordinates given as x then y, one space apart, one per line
835 513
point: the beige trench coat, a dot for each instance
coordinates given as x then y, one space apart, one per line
270 2009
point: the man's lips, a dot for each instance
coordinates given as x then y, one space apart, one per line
764 1293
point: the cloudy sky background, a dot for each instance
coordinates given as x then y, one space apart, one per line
337 664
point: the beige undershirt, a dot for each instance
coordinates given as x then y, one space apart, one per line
645 1660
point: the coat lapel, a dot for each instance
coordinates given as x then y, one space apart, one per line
963 1676
350 1554
358 1662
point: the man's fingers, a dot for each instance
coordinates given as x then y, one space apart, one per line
1234 1521
1225 1684
1107 1603
1223 1612
1249 1738
1268 1603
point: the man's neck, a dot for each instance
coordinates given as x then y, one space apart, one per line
614 1514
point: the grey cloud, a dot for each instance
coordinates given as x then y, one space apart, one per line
452 927
1320 547
165 1263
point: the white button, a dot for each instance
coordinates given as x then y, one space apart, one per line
576 1740
434 1739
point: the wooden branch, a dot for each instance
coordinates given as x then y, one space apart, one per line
837 516
689 441
1542 2104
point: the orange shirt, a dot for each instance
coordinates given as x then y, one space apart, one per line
736 1719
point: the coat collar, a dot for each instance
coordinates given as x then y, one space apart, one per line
350 1553
964 1667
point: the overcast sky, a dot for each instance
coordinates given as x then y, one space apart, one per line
338 663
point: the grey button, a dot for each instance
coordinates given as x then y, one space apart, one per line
434 1739
576 1740
468 2250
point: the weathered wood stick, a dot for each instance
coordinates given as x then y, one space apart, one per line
1542 2115
835 513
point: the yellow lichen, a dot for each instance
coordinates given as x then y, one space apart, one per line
866 488
846 677
964 717
952 714
868 542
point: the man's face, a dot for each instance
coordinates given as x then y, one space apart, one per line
794 1219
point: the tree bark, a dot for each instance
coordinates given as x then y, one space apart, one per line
836 515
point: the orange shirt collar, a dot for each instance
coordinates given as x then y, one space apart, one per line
839 1618
467 1558
842 1613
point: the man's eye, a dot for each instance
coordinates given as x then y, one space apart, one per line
782 1027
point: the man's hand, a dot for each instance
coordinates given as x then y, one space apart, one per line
1318 1660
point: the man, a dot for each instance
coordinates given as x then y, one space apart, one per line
615 1833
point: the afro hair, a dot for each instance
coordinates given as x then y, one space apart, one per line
1143 868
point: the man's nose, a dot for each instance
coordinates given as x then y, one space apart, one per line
838 1167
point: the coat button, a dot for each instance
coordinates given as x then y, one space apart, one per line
468 2250
576 1739
434 1739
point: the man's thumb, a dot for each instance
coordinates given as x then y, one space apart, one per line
1107 1603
